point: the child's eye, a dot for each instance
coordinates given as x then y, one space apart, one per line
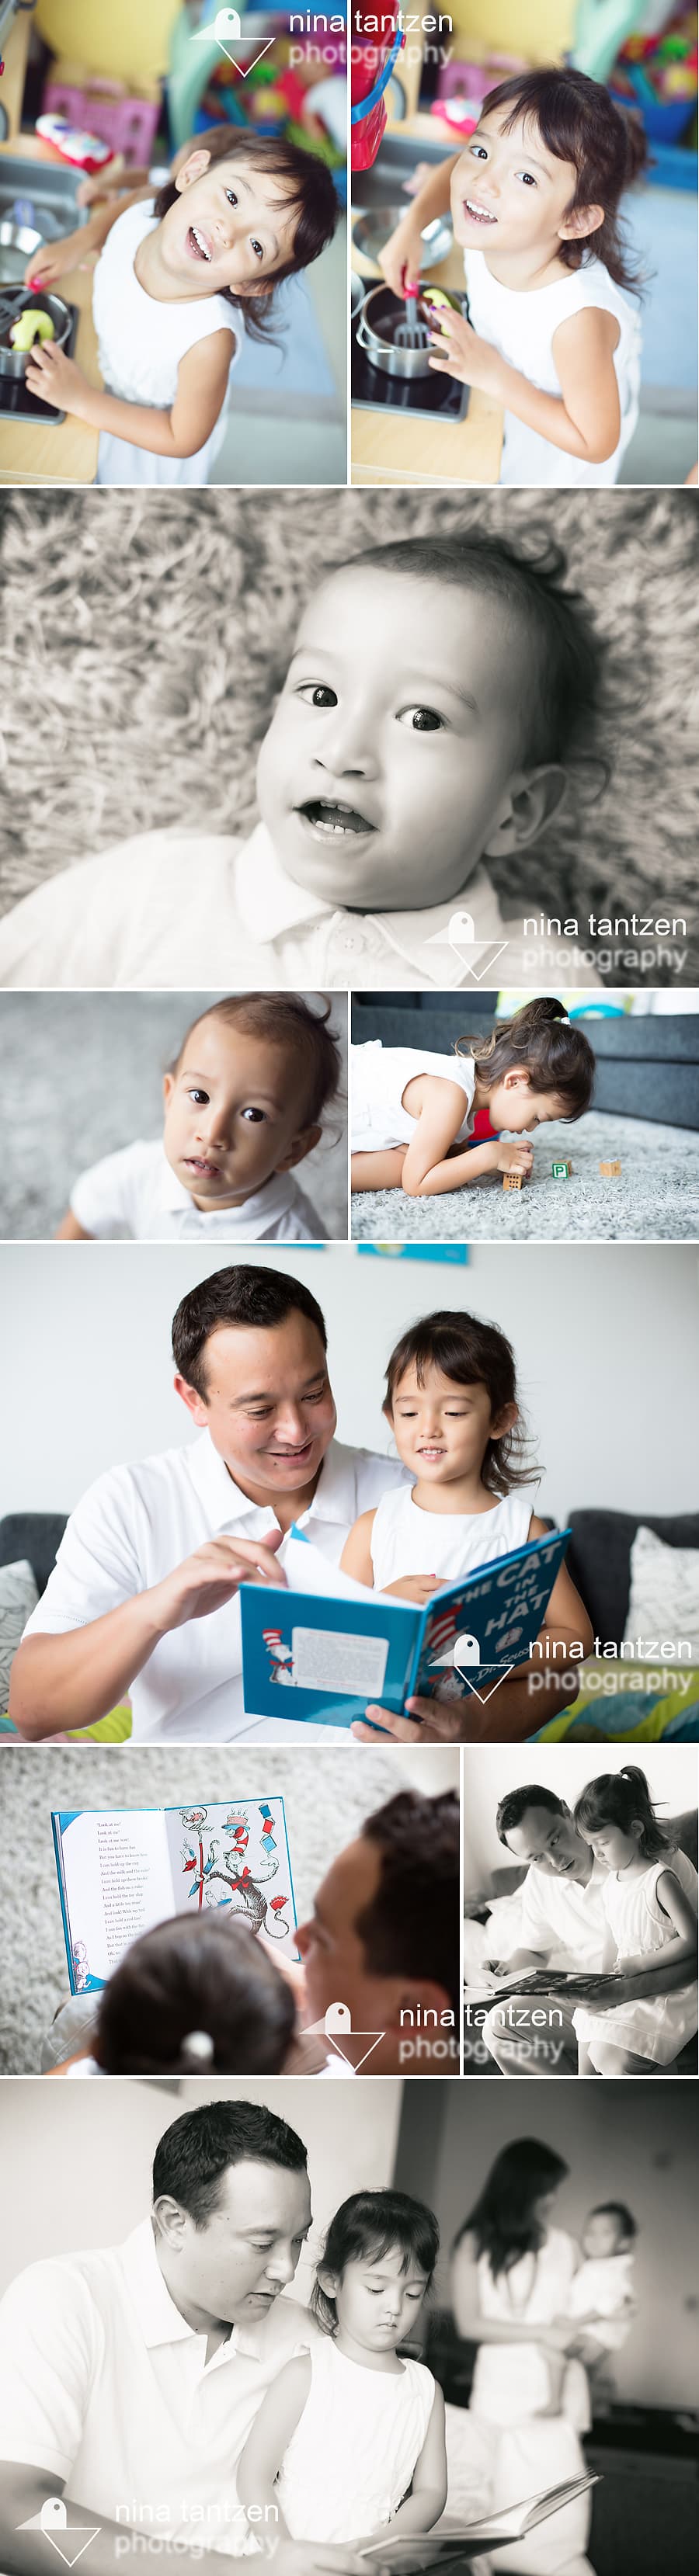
421 719
316 695
479 152
200 1098
257 247
231 195
527 178
255 1115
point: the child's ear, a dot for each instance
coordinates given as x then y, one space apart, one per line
192 168
327 2281
532 798
578 226
168 1088
504 1421
302 1145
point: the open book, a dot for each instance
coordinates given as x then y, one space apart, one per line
577 1985
335 1645
451 2541
122 1869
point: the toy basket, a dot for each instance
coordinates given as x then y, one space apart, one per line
373 61
128 123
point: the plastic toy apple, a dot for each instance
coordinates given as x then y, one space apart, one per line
33 325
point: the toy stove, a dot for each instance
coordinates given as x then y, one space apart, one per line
428 397
16 403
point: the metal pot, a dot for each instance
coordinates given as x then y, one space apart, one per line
14 362
381 309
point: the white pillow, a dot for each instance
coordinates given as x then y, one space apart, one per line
18 1595
664 1601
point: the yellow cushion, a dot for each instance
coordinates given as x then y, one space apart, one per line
130 43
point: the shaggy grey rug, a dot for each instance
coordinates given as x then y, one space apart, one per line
656 1197
144 636
326 1803
91 1080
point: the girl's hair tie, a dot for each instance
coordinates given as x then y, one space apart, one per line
197 2052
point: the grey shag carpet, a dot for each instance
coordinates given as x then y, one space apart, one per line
326 1803
91 1080
144 637
655 1199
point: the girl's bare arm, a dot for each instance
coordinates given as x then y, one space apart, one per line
201 390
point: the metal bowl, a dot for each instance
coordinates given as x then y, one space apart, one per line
14 362
357 293
17 242
380 315
373 230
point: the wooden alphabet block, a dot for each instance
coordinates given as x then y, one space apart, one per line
610 1171
561 1171
512 1180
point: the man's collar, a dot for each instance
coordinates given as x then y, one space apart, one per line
267 896
159 2319
224 1501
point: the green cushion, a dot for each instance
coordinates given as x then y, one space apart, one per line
113 1729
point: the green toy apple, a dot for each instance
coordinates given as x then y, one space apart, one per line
34 324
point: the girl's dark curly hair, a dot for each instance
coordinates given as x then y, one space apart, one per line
472 1354
579 122
311 190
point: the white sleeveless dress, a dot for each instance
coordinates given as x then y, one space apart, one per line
379 1076
526 2449
407 1540
351 2459
657 2030
521 327
141 343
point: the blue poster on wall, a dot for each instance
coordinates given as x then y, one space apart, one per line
416 1251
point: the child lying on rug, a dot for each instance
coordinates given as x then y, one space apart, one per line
411 1110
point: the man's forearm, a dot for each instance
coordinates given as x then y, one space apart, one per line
72 1680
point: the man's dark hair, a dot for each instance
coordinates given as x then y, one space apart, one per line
514 1807
616 2209
562 654
411 1926
195 2153
241 1295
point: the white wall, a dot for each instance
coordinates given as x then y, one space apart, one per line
672 1773
605 1337
76 2158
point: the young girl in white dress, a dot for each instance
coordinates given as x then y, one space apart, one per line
451 1401
650 1901
553 334
179 279
350 2437
411 1109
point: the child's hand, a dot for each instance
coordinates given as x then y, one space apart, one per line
415 1587
513 1158
402 255
58 258
462 354
59 382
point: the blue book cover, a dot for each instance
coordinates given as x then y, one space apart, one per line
324 1646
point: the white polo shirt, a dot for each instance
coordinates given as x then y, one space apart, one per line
565 1918
135 1192
190 909
137 1523
105 2386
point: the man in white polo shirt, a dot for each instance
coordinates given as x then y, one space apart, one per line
563 1925
143 1597
130 2376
